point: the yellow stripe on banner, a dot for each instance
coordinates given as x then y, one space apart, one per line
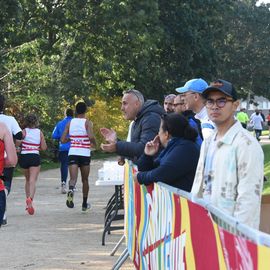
142 222
126 192
185 226
263 257
135 224
221 259
173 216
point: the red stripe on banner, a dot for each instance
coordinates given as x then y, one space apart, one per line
178 217
155 245
239 252
203 238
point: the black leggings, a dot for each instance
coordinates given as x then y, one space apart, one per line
2 205
8 174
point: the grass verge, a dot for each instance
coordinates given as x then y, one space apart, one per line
266 150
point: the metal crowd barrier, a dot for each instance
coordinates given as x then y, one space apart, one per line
226 221
222 219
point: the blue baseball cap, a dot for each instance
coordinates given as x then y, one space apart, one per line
195 85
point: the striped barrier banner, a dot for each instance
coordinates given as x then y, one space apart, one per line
165 230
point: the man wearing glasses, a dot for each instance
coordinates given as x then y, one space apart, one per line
231 165
179 105
146 117
191 93
168 103
180 108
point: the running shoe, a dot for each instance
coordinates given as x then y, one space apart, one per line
29 206
69 201
63 188
86 208
4 222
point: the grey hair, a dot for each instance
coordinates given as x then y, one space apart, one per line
136 93
170 96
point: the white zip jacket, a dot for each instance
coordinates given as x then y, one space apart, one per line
238 169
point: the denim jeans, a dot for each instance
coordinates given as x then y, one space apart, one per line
258 133
63 158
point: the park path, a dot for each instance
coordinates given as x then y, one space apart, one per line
265 140
57 237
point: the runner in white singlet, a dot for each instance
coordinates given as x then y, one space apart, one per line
80 133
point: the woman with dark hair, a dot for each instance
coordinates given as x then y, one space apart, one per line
33 141
176 164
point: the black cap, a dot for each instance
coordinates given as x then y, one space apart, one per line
223 86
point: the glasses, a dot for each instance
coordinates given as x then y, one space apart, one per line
176 104
220 102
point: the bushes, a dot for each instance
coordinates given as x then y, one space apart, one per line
107 114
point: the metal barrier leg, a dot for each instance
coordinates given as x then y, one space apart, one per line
117 245
121 260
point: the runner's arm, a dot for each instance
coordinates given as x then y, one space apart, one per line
43 145
11 155
64 137
90 132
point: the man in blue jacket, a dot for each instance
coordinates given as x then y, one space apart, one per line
63 148
146 116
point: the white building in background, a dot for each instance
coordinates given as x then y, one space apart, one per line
259 103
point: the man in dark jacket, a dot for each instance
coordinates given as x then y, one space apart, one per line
146 121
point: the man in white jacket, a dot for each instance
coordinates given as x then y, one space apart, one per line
231 165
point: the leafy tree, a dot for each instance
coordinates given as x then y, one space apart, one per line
246 59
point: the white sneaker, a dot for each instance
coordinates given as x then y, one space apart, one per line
63 188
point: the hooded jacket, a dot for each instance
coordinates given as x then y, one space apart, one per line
145 127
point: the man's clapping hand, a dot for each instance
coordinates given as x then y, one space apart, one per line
108 134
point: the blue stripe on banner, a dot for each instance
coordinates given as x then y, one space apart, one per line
207 125
131 212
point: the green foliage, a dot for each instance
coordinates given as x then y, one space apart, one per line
107 114
54 52
266 150
245 52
